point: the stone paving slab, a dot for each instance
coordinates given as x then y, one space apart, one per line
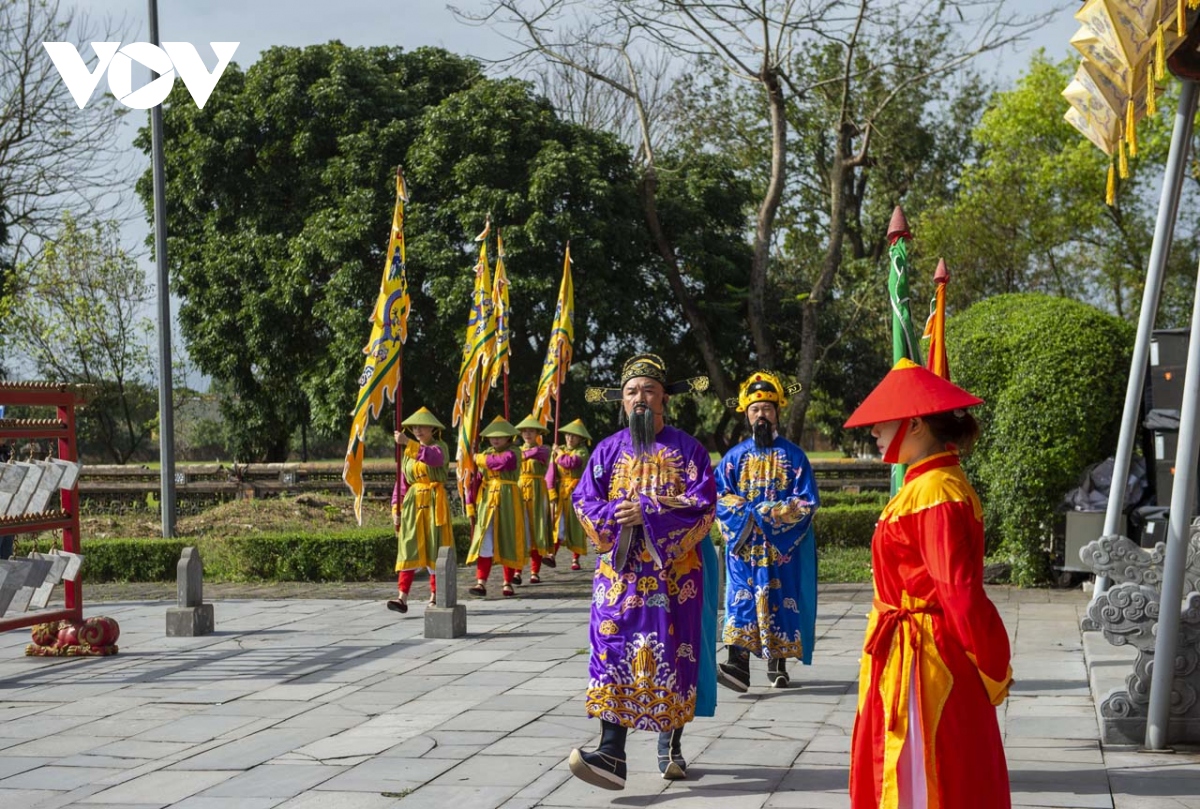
336 703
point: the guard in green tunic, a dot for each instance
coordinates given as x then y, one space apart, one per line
535 463
569 462
420 507
501 530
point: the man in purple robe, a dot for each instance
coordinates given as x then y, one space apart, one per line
646 502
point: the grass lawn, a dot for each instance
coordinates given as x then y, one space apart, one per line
844 565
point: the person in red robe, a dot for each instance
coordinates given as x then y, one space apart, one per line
936 656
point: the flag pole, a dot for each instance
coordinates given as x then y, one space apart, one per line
560 372
399 397
558 398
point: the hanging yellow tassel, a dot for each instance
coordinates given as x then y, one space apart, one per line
1130 128
1180 19
1110 190
1160 55
1151 103
1122 162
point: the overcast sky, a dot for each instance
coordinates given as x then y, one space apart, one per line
260 24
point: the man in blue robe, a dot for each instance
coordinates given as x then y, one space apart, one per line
766 498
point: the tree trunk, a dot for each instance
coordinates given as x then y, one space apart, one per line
840 171
691 312
760 327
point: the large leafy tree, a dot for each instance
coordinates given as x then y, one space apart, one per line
82 320
1029 213
279 201
54 156
773 85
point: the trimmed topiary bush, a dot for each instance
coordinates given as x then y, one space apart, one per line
1053 373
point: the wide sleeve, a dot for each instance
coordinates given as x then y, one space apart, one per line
596 512
951 541
431 455
786 520
675 524
505 461
734 514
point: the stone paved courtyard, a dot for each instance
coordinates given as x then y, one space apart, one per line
338 703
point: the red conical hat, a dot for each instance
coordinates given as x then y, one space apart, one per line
909 391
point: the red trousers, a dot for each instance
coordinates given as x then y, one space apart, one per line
405 579
483 569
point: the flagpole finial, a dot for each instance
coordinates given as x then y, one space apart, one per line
898 227
941 275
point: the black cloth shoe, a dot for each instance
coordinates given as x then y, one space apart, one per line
777 673
549 561
735 673
516 578
598 769
397 605
670 758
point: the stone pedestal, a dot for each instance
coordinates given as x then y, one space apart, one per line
1127 615
192 616
447 618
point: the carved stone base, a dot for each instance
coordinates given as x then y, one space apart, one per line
446 622
190 622
1127 615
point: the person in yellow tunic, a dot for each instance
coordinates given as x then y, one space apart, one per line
420 507
569 462
501 532
535 462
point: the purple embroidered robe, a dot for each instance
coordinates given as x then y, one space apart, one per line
647 596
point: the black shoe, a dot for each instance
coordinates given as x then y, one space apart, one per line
777 673
735 672
670 758
477 590
516 578
733 678
396 605
549 561
598 769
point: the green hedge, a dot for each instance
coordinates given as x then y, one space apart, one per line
846 526
1052 373
357 555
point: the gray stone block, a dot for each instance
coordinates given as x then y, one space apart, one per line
74 564
448 619
192 617
36 571
189 577
446 622
12 576
447 574
189 622
58 565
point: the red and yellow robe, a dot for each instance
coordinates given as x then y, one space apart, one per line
933 634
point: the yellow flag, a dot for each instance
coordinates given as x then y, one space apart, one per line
479 352
558 352
389 330
500 305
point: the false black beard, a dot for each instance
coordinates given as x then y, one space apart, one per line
764 433
641 430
